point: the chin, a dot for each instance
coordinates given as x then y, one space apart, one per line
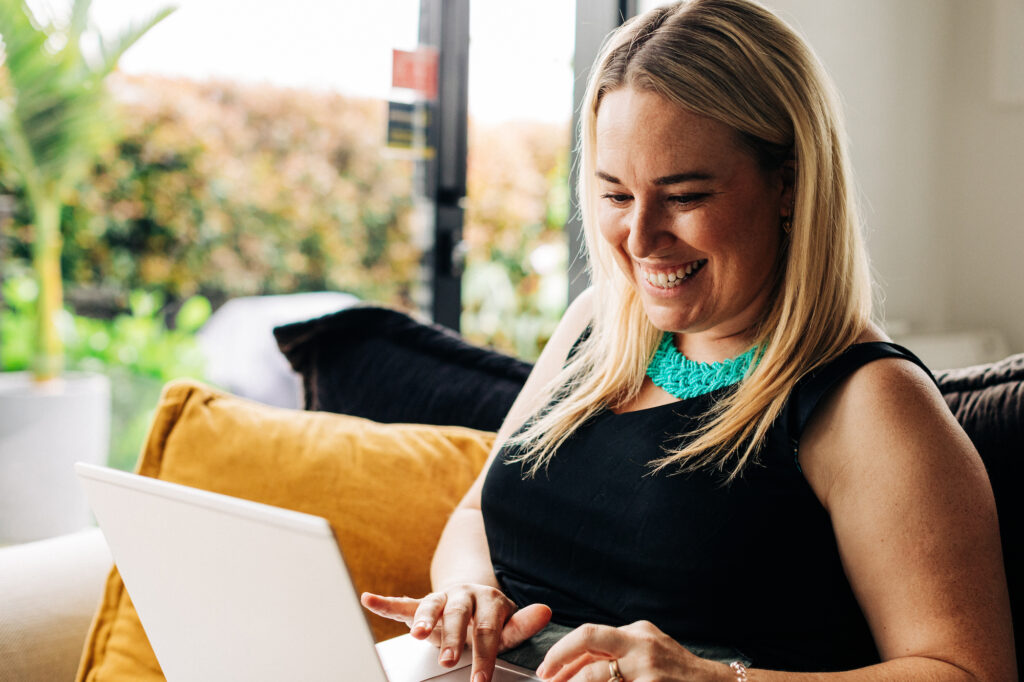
669 320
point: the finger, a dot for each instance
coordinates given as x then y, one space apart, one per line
488 621
524 624
580 669
395 608
458 612
600 641
428 614
596 670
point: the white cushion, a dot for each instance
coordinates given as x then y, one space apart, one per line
49 591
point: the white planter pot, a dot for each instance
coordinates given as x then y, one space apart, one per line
44 430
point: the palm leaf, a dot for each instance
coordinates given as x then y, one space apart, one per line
112 52
56 110
79 23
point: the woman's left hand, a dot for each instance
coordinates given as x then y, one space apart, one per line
641 651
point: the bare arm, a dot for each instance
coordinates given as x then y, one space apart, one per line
915 520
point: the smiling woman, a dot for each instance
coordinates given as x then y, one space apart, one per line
795 497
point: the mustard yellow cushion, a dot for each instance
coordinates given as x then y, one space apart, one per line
387 490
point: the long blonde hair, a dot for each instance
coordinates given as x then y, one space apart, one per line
735 62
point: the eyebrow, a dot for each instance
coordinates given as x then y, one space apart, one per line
665 180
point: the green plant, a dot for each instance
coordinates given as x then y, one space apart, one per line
54 121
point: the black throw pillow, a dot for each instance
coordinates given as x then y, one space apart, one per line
384 365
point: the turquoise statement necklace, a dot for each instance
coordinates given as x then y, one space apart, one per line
684 378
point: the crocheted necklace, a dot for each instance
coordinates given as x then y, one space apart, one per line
684 378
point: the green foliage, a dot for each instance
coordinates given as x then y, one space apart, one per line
54 120
138 341
231 190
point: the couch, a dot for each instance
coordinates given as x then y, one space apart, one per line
381 365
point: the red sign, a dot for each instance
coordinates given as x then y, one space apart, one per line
415 70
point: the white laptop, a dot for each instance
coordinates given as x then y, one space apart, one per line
229 589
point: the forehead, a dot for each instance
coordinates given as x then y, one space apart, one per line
642 131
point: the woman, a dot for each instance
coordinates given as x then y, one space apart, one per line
717 451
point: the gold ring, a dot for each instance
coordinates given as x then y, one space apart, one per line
613 670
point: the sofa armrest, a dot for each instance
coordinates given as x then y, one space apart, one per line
49 591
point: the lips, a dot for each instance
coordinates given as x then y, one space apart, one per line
671 278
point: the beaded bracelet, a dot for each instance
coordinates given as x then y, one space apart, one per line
740 670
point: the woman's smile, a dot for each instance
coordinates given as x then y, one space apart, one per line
662 278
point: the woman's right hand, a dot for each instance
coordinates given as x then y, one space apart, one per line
478 614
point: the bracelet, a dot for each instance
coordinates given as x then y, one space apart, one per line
740 670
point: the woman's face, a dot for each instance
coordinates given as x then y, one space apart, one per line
692 219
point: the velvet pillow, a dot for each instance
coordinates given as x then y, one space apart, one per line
387 491
387 366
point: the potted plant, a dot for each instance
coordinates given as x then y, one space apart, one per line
55 117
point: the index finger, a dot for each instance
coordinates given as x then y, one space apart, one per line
395 608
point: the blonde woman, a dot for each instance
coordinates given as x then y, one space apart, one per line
720 469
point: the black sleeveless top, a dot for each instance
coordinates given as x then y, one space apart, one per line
751 565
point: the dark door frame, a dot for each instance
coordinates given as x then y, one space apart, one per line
444 24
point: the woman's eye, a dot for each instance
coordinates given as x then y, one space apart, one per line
616 198
685 199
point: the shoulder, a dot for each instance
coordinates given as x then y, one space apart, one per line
882 416
874 378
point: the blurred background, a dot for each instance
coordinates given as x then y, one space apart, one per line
264 149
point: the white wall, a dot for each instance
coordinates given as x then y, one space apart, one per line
982 188
940 161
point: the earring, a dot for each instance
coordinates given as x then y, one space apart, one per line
787 220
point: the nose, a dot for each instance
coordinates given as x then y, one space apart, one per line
649 231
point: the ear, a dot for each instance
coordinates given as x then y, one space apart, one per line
787 173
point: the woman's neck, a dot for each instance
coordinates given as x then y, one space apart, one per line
710 347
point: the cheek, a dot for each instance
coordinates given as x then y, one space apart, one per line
611 227
743 237
614 232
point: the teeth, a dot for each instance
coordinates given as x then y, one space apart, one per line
671 280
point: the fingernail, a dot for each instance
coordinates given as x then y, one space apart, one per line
420 625
480 677
447 656
541 671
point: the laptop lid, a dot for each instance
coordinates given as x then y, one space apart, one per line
228 589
